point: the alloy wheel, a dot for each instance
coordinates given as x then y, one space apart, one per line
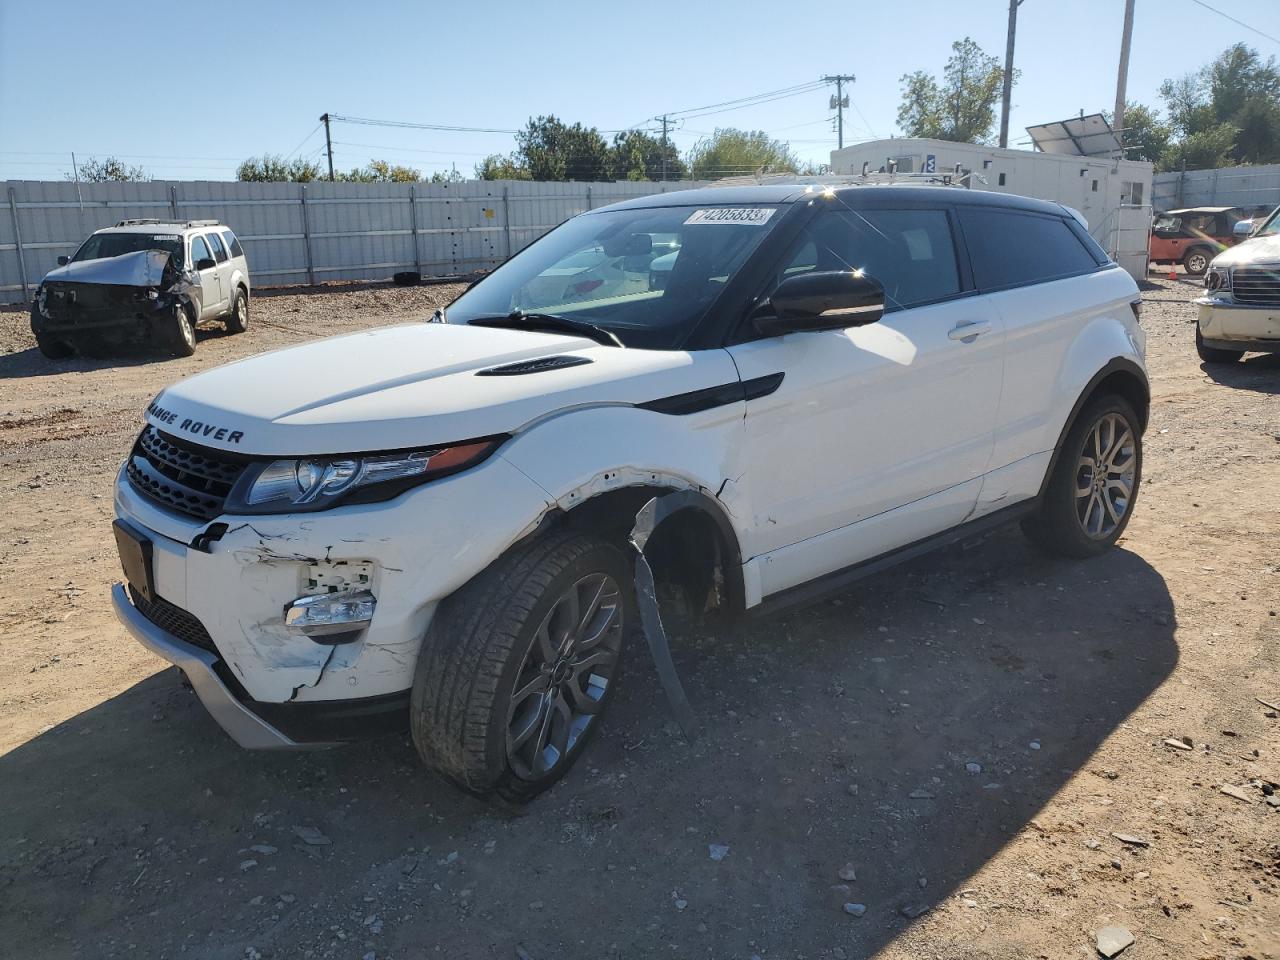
1105 476
1196 263
563 680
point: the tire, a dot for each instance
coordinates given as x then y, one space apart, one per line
1196 261
54 349
237 321
176 333
406 278
467 712
1214 355
1063 525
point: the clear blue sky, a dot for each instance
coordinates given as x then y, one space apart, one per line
188 90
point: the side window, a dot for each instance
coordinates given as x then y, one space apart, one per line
1010 248
909 251
199 250
233 244
219 251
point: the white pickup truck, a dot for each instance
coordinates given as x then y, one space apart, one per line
1240 310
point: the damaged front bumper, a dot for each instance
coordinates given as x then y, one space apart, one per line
231 593
125 296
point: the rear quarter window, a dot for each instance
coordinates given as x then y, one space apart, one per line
233 243
1010 248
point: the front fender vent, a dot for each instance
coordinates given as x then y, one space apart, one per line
538 365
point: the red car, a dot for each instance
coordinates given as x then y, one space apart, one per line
1193 236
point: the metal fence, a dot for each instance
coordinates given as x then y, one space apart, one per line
1246 187
307 233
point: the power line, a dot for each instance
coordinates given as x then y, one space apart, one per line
439 127
789 91
304 140
1240 23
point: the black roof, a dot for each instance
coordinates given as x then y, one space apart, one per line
854 195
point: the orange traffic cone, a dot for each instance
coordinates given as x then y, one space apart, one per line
1173 273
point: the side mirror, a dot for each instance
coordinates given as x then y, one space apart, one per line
206 263
1243 228
63 260
821 301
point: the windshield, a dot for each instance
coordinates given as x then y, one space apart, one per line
1272 227
102 245
645 275
1167 224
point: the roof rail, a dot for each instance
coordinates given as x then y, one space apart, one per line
140 221
959 177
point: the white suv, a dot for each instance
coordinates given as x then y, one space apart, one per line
143 279
1240 310
432 525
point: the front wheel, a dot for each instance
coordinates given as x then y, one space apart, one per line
1090 495
177 331
518 665
1213 354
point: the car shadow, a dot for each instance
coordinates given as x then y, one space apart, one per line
910 727
1258 372
32 363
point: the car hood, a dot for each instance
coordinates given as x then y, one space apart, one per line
410 386
1258 250
142 268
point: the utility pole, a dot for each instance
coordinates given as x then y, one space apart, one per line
665 123
1008 72
838 103
328 144
1122 78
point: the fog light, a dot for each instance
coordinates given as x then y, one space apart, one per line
331 614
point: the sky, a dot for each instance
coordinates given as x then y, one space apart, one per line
188 91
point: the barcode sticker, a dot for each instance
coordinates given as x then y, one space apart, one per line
749 216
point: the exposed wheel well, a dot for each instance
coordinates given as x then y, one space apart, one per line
694 549
1128 385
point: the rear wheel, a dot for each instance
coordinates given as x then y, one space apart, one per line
518 665
1095 481
1196 262
237 320
176 333
54 349
1213 354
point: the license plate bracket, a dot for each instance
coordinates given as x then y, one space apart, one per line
135 558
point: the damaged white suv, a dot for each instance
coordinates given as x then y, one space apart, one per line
434 526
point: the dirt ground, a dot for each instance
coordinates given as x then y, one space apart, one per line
970 732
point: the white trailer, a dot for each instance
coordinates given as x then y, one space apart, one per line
1113 195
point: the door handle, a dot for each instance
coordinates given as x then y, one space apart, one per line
967 331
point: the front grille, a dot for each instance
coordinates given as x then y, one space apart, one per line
173 620
1256 285
185 477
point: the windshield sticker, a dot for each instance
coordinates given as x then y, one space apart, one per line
164 236
750 216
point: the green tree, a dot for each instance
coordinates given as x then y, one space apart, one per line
1146 135
962 106
497 167
732 153
447 176
108 170
551 150
380 171
273 168
638 155
1234 99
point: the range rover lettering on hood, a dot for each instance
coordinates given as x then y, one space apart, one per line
198 428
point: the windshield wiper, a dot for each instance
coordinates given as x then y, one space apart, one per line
519 320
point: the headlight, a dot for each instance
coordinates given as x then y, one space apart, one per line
317 483
1218 279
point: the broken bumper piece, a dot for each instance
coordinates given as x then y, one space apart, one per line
264 726
241 724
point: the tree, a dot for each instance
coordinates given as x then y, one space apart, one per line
497 167
1233 100
730 153
447 176
551 150
272 167
638 155
962 106
1146 136
380 171
108 170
